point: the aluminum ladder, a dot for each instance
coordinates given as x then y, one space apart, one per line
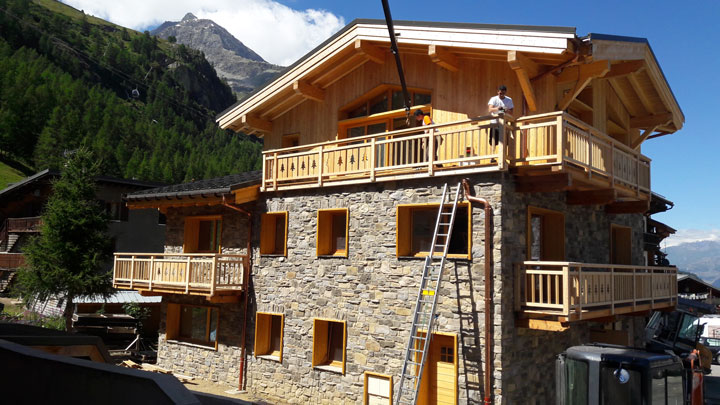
424 315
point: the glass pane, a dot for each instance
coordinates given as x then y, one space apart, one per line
338 229
535 237
217 224
379 104
213 324
689 327
421 99
400 123
276 327
199 323
376 128
577 381
459 239
205 234
356 131
359 111
279 234
423 226
335 343
614 393
397 100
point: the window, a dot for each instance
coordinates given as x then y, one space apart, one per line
162 218
269 335
380 110
329 345
202 234
378 389
273 233
416 224
332 232
545 234
620 244
194 324
116 211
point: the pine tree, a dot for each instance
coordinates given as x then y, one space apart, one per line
68 258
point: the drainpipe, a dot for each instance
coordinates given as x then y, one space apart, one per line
488 284
246 281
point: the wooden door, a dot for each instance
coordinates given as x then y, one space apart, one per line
439 384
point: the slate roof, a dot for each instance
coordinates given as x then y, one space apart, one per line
119 297
215 186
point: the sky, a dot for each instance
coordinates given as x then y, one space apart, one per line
685 165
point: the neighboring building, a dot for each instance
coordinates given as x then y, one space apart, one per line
692 287
313 265
22 203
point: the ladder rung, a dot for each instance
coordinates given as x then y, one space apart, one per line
444 223
446 213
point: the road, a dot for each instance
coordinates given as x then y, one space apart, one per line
712 386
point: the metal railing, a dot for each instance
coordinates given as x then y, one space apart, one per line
584 290
196 273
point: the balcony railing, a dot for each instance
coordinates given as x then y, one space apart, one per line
599 156
29 224
459 147
196 274
569 291
11 261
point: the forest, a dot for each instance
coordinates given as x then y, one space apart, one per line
145 107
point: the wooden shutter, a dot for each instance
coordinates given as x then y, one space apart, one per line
267 234
403 231
192 230
262 334
172 322
320 339
324 233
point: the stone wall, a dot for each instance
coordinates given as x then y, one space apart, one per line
528 356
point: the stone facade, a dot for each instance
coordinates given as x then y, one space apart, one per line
374 292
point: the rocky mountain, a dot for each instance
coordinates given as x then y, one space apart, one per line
701 258
243 69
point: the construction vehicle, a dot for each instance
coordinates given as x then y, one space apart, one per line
669 369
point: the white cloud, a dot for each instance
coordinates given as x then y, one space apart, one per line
276 32
691 235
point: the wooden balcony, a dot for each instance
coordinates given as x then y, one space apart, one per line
462 147
11 261
28 224
560 143
210 275
569 291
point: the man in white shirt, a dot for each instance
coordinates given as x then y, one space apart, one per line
499 104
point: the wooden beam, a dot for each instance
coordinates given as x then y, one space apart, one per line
586 73
256 123
443 58
246 194
180 202
624 97
643 137
371 51
308 91
641 94
223 299
543 183
146 293
340 70
651 120
628 207
591 197
625 68
525 68
541 324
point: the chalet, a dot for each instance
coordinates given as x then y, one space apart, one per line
301 282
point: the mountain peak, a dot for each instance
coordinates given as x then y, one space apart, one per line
189 17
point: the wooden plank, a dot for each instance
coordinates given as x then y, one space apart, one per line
309 91
256 123
625 68
372 52
525 68
246 194
223 299
651 120
540 324
543 183
443 58
640 139
641 94
628 207
586 73
591 197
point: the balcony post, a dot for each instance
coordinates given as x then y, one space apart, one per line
652 289
320 167
213 275
637 174
372 160
132 271
519 274
152 271
634 283
187 274
612 164
502 140
275 171
566 290
612 290
431 153
582 290
560 140
264 173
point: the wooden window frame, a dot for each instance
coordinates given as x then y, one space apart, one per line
268 236
264 335
403 230
613 227
532 210
321 337
324 240
172 325
191 233
365 390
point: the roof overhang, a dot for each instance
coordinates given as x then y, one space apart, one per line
639 83
364 41
195 198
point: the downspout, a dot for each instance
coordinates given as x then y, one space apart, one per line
488 284
246 281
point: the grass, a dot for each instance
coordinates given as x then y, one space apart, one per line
9 175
